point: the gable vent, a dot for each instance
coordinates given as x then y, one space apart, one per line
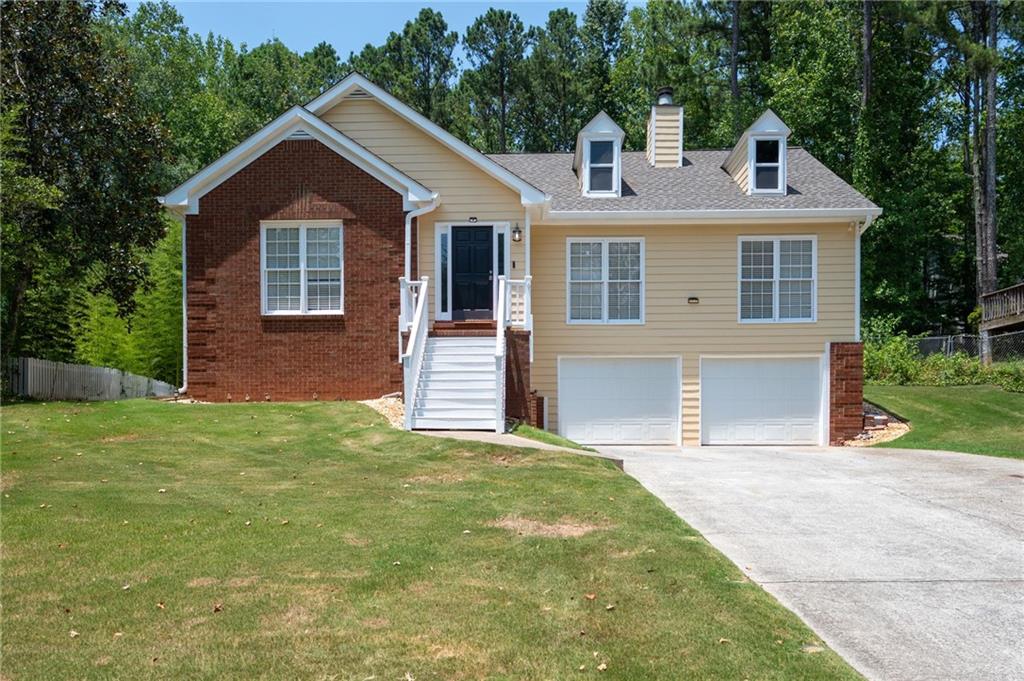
359 93
300 135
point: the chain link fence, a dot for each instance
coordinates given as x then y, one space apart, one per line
1005 347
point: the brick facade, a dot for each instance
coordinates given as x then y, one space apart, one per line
233 350
520 401
846 391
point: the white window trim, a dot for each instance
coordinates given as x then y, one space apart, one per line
446 228
616 189
813 238
604 281
752 164
302 225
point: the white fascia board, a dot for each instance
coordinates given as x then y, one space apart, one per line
730 215
185 197
528 193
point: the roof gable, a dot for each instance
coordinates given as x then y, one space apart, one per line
297 121
601 125
357 85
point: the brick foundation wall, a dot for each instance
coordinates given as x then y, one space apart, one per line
846 391
518 400
233 350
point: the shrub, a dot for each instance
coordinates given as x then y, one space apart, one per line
893 359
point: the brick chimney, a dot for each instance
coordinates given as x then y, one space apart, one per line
665 132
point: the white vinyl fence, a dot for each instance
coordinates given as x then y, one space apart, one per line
45 380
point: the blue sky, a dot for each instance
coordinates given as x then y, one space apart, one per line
346 25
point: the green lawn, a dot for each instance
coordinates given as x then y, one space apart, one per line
311 541
540 435
979 419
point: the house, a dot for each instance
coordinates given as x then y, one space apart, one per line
352 248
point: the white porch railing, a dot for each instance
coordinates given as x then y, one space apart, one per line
499 355
412 355
408 291
520 306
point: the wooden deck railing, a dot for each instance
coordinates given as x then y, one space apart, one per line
1004 307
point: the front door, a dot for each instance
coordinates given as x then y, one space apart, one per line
472 272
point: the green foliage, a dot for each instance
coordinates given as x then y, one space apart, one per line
149 342
86 134
496 46
893 358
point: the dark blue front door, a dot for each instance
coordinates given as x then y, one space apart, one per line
472 272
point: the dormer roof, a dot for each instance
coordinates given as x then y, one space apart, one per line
768 124
600 125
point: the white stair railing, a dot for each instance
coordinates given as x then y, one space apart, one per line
520 309
412 356
408 292
499 356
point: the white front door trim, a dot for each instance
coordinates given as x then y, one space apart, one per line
445 228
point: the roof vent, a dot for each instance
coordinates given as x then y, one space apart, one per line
359 93
299 135
664 96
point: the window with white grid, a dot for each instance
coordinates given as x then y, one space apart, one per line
605 281
777 279
303 267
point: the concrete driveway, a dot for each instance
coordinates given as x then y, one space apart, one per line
909 564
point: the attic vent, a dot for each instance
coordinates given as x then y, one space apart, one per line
359 93
300 135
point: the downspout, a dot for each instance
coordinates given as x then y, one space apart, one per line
184 310
422 210
860 229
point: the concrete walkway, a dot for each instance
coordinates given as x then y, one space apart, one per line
506 439
909 564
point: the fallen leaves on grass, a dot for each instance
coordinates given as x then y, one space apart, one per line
565 528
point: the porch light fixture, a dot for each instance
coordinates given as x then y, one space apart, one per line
517 233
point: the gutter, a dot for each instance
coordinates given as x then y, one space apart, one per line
726 215
422 210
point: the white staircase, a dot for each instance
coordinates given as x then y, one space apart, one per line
457 384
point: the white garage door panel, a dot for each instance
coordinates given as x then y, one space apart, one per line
619 400
761 401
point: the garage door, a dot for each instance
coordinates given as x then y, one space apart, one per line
619 400
760 401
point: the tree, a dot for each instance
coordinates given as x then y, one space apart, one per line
264 82
495 45
602 40
417 65
556 97
87 134
320 68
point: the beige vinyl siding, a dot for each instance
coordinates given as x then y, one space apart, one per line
737 165
684 261
650 137
466 190
666 136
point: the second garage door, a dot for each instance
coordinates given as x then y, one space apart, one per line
760 400
619 400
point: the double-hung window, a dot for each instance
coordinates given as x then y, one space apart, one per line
601 169
605 281
768 167
302 267
777 279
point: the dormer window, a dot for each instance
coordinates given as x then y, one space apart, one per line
767 165
601 166
758 161
598 158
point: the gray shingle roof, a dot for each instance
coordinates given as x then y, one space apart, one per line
700 184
